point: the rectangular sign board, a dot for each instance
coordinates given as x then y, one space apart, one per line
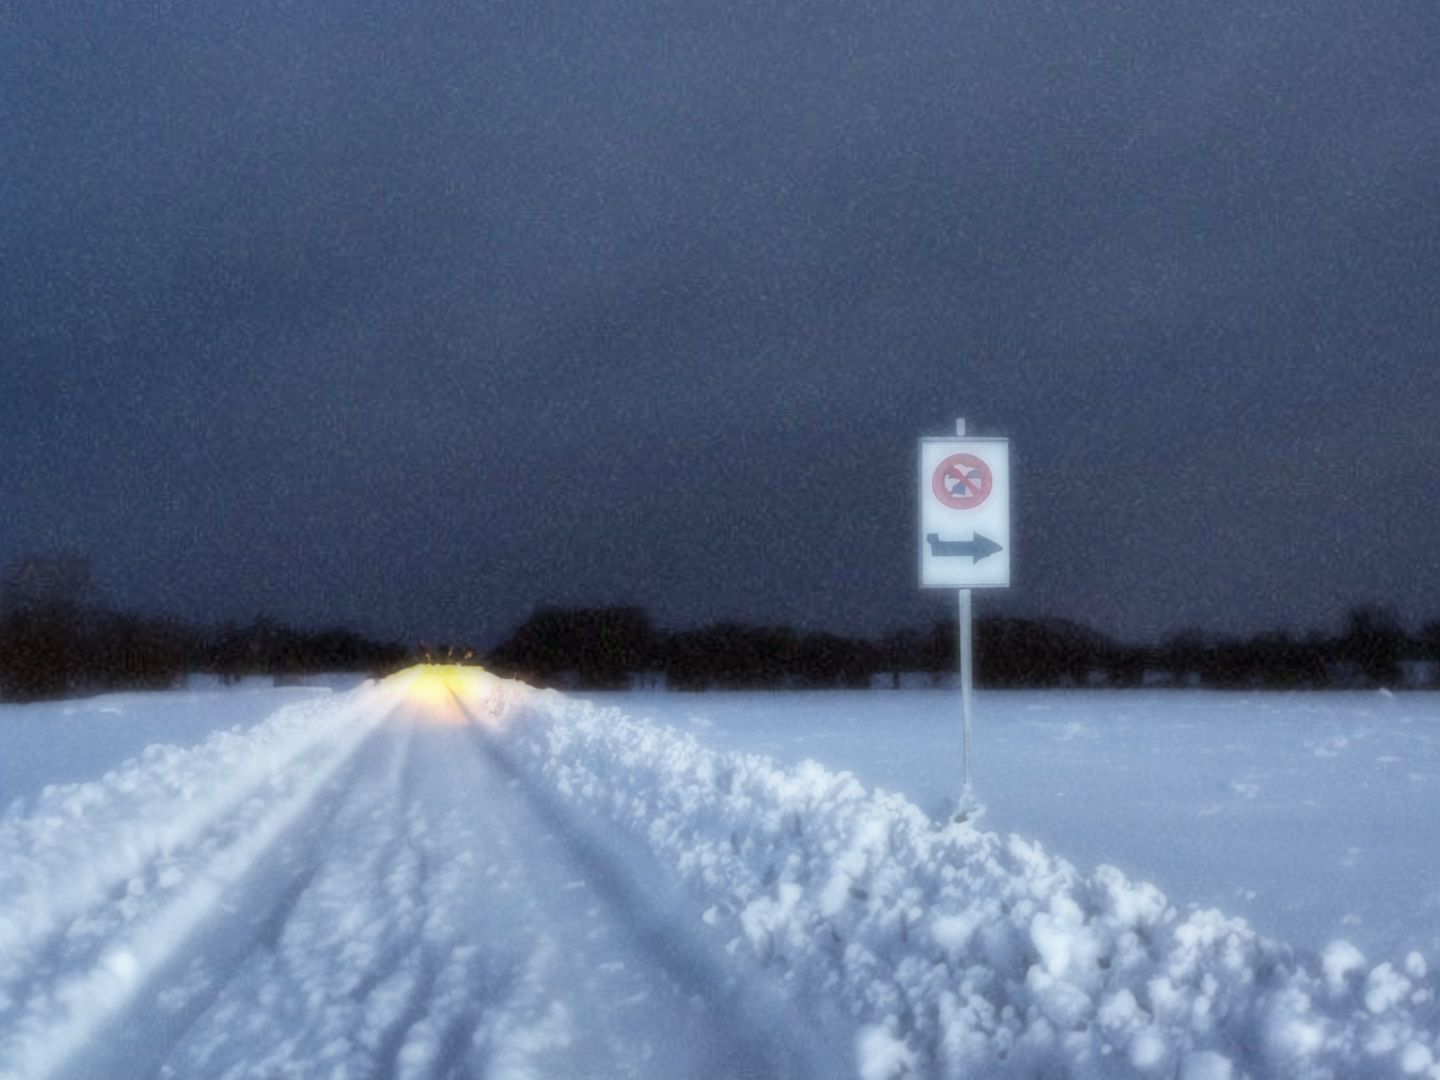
964 513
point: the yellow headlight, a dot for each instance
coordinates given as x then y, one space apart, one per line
432 690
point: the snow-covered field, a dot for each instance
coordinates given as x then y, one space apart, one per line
447 875
1314 815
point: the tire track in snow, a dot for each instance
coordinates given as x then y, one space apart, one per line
251 919
83 976
750 1031
85 843
399 902
342 980
451 932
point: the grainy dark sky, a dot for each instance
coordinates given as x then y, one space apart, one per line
413 316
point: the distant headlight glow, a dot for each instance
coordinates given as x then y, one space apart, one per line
436 691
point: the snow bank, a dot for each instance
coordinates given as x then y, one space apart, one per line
89 865
959 952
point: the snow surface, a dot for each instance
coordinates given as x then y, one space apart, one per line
448 875
56 742
1313 815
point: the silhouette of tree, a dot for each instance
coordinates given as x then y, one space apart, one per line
828 660
129 652
1183 656
45 603
729 656
1036 652
1373 644
942 650
1427 648
269 647
901 651
1284 663
601 646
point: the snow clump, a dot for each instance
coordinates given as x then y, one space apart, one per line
956 952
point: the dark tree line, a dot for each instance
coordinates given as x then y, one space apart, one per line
613 648
59 638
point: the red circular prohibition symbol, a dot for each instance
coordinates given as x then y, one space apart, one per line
961 482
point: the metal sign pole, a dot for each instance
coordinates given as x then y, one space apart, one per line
964 544
965 660
966 668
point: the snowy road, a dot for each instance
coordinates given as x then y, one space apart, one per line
394 901
450 875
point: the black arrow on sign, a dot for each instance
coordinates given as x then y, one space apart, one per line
977 548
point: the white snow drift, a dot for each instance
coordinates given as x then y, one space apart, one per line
360 886
963 953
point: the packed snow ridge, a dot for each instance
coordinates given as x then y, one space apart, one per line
466 877
961 953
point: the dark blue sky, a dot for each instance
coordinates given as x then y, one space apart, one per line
413 316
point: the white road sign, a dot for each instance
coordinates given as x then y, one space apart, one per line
964 513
